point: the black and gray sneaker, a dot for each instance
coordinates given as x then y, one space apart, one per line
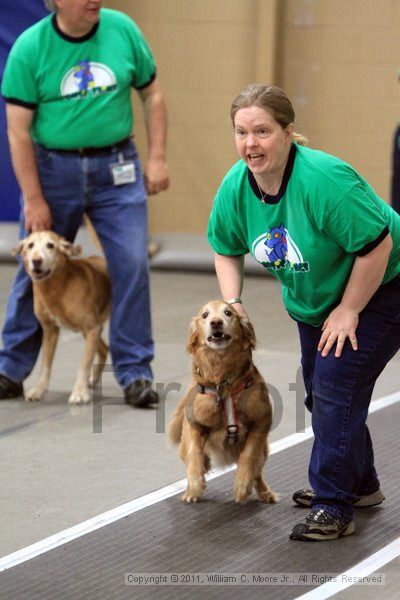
10 389
303 498
320 526
140 395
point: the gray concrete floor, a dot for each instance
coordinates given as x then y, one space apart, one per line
57 472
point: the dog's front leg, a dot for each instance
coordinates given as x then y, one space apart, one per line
248 464
50 337
101 356
80 393
195 461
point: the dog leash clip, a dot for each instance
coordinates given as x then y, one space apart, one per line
232 434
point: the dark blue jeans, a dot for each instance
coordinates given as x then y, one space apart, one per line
72 185
339 391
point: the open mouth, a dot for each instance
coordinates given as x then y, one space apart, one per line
38 274
218 337
255 158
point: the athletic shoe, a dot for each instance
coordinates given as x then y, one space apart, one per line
140 395
320 526
303 498
10 389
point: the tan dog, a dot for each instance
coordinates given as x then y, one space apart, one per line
67 293
226 415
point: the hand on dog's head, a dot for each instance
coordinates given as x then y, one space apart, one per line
218 325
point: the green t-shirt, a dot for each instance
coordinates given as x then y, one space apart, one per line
308 235
79 87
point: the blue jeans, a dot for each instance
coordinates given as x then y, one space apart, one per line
73 184
339 391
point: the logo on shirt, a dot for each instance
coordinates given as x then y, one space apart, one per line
88 79
276 250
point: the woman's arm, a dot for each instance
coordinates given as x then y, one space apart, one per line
229 271
365 279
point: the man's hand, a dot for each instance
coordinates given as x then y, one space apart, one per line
341 324
156 176
37 215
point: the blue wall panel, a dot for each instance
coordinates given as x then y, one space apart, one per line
15 16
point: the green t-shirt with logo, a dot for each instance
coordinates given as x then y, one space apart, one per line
79 88
308 235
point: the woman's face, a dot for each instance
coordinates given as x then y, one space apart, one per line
79 15
261 141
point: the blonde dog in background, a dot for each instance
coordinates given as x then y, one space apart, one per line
226 415
71 293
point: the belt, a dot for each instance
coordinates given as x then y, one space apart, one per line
92 150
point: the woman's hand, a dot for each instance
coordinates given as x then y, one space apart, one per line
341 324
240 309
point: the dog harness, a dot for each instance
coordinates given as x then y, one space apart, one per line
227 402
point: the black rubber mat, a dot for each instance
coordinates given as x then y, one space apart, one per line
216 536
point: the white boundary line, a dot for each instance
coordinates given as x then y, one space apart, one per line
362 569
63 537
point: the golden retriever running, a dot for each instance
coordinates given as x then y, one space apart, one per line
67 293
226 415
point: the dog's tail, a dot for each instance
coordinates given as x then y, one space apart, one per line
176 422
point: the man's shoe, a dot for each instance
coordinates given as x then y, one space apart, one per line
303 498
10 389
140 395
370 500
321 526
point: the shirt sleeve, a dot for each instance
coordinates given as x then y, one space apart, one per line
224 232
19 84
145 68
358 222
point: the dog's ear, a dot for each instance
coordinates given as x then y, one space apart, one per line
67 248
18 249
193 338
249 334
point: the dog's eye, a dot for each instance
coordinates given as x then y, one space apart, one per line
205 315
228 312
50 245
30 245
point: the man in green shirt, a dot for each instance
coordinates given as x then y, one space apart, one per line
316 225
67 85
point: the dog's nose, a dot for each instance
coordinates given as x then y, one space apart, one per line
216 324
37 262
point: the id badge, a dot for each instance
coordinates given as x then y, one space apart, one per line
123 172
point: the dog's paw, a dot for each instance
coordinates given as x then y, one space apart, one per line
189 496
242 490
268 497
34 395
79 397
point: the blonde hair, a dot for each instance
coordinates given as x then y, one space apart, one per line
272 99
